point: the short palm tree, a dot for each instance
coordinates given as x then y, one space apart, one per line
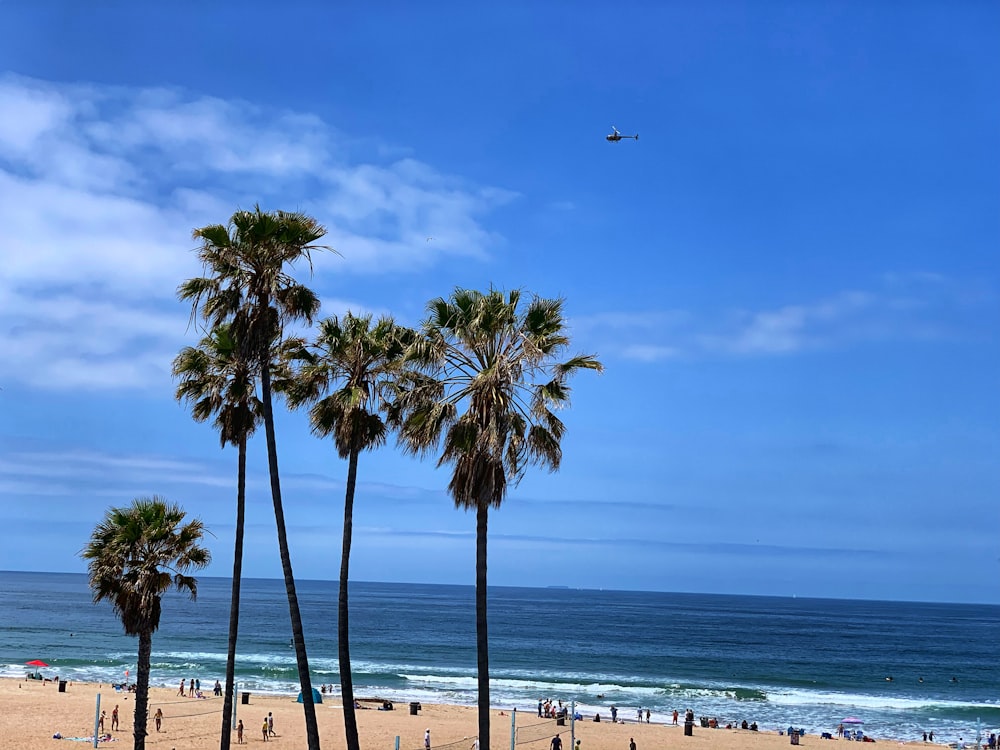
135 556
247 284
488 385
217 381
346 375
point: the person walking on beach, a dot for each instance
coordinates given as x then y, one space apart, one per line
675 717
100 724
158 718
647 715
263 729
114 719
427 739
614 715
181 691
239 732
270 725
556 743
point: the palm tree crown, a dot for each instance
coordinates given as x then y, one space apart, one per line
215 380
247 282
137 554
489 386
346 374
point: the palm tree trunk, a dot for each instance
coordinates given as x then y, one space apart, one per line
298 636
343 640
142 690
234 601
482 637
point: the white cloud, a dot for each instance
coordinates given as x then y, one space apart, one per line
902 307
101 186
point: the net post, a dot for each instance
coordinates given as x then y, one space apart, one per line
97 717
572 724
513 727
397 742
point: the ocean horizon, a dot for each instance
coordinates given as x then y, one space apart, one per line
904 668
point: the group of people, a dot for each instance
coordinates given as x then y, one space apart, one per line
266 729
114 720
194 689
549 710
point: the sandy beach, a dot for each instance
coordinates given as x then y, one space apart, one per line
34 711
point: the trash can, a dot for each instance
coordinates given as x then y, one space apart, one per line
794 738
62 686
561 721
245 700
414 707
688 728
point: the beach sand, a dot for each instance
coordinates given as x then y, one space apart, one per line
33 711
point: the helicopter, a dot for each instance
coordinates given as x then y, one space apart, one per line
617 136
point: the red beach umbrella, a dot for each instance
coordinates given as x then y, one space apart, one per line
36 663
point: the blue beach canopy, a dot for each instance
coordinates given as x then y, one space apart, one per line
317 698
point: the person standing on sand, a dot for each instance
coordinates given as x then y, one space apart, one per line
239 732
556 743
263 729
427 739
647 715
631 743
270 725
114 719
614 715
100 724
191 690
675 717
158 718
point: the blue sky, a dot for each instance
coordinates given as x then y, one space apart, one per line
792 277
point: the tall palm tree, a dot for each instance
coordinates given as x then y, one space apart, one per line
135 555
247 285
346 375
487 388
218 382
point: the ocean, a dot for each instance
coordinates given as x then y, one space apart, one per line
777 661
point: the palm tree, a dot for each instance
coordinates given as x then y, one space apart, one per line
247 285
135 555
353 364
218 382
487 389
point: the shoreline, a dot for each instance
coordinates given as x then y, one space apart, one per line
35 710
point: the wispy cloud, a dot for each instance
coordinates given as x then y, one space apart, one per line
898 307
99 190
